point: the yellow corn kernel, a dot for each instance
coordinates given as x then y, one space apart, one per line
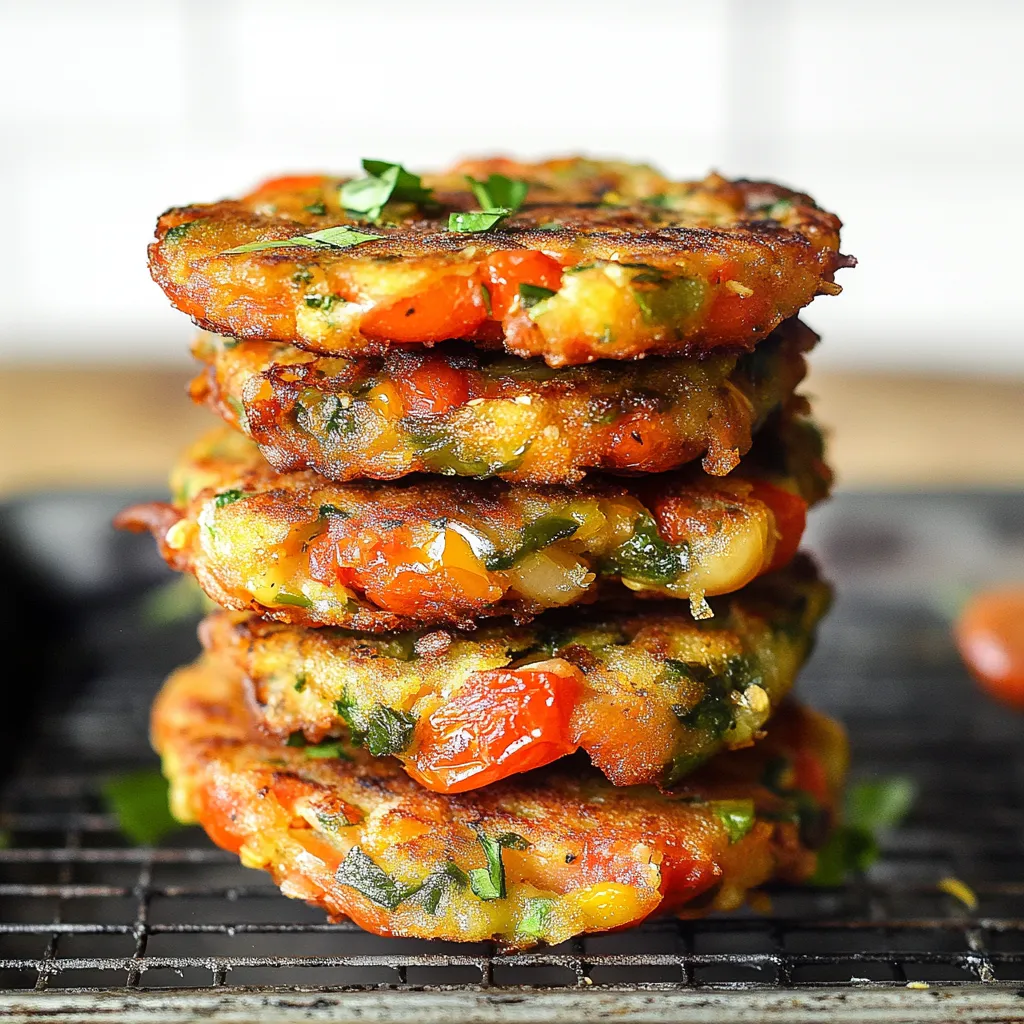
607 905
960 891
402 830
251 857
385 400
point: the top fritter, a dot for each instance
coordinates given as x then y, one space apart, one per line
573 260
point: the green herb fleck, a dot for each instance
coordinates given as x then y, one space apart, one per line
325 303
318 209
536 913
362 874
437 884
680 766
385 182
326 750
140 802
485 293
535 536
300 682
179 231
870 807
332 511
178 600
670 300
489 883
286 597
333 822
477 220
645 556
383 730
388 731
499 191
228 498
340 237
296 739
531 294
736 815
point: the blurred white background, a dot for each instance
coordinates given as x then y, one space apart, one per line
905 118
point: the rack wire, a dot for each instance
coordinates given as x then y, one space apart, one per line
90 924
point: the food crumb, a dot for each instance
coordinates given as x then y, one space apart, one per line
960 891
918 984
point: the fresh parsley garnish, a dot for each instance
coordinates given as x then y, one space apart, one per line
340 237
477 220
139 800
870 807
384 183
361 873
499 197
499 192
489 883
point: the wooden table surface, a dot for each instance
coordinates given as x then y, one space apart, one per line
103 427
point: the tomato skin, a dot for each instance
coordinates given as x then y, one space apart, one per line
504 272
433 387
790 512
453 307
683 875
289 183
640 444
400 575
730 313
990 637
215 817
503 721
810 777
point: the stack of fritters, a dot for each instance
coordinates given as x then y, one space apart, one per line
608 597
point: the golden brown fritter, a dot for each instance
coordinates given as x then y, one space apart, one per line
459 412
601 261
538 858
384 556
646 691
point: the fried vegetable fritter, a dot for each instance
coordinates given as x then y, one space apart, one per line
539 858
646 691
459 412
376 556
601 261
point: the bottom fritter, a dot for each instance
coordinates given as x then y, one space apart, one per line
539 858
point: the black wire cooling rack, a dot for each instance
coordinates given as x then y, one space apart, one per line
91 927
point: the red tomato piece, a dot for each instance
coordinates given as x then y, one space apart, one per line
809 776
732 315
289 183
433 387
685 872
639 444
504 272
790 512
990 636
501 722
454 307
